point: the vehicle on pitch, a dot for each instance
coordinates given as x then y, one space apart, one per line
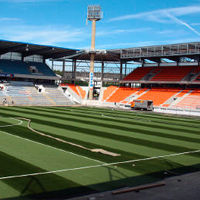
142 105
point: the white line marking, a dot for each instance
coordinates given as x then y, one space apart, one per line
19 123
96 166
69 152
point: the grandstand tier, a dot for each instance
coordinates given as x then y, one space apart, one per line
121 94
138 73
22 94
25 68
172 73
161 97
164 73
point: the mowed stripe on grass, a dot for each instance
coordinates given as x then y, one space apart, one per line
133 135
87 131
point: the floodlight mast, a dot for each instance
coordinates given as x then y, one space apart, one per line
93 14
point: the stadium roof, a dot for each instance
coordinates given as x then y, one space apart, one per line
138 54
190 50
154 53
100 55
27 49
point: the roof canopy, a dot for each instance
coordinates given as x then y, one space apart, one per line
191 50
137 54
100 55
27 49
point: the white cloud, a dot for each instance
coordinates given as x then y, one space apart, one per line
160 15
50 35
121 31
175 19
146 43
166 32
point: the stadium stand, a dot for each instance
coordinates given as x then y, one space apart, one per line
172 73
191 101
121 94
166 96
75 90
108 92
28 68
82 92
138 73
16 94
56 96
182 93
72 87
164 73
159 96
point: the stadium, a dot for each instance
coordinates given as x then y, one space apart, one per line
130 132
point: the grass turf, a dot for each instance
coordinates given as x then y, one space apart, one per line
133 135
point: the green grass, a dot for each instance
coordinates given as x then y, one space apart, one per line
133 135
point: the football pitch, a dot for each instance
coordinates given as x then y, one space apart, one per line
67 151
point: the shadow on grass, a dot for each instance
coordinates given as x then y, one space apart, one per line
111 185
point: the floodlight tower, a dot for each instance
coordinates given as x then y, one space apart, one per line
93 14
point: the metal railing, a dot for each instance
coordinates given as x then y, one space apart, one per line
162 50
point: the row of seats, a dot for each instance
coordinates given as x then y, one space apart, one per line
56 97
121 94
165 97
192 101
28 68
75 88
158 96
138 73
108 92
170 73
29 95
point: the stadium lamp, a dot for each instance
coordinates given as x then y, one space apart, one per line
94 14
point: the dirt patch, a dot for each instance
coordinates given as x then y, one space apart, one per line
70 143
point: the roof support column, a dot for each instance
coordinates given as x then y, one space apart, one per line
63 69
102 72
197 58
121 69
73 70
125 68
143 62
52 65
178 61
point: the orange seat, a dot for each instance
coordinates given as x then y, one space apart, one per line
158 96
121 94
73 87
82 92
108 91
172 73
192 101
138 73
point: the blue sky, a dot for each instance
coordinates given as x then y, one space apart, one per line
126 23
